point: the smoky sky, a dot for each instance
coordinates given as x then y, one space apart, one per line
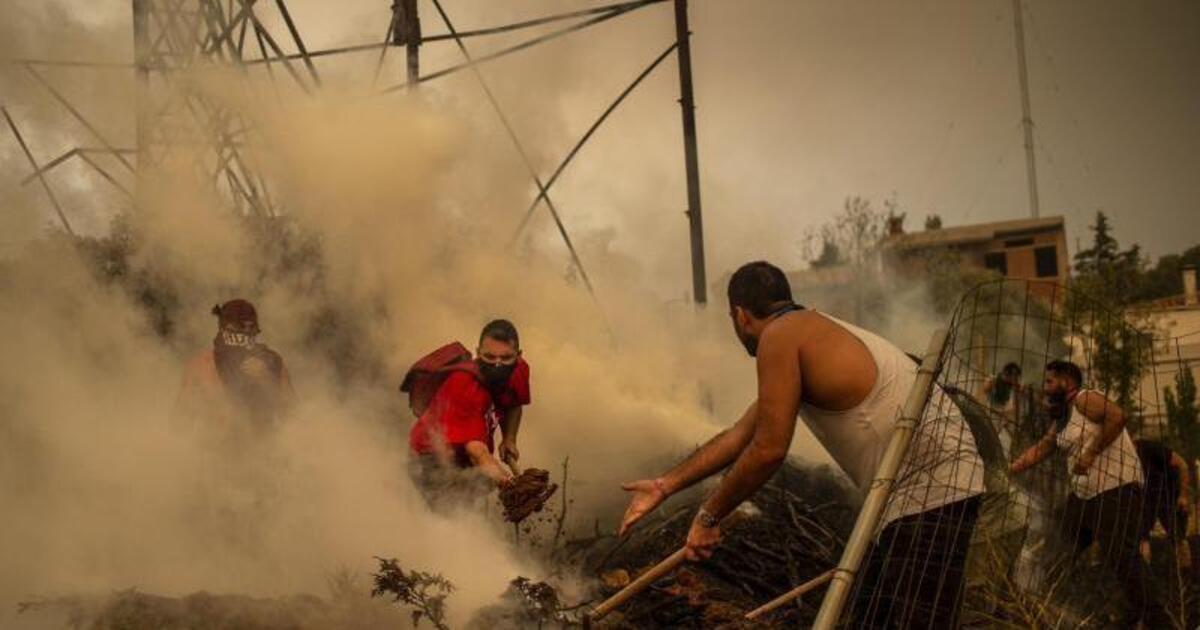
799 105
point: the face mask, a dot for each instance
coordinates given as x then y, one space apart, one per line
496 376
1058 409
236 339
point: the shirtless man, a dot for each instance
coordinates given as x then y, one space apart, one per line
848 385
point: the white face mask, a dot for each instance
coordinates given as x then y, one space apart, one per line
237 339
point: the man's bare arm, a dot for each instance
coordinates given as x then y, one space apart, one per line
1100 409
510 424
485 463
1036 453
1185 478
778 403
715 455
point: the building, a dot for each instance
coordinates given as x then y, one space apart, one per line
1022 249
1176 325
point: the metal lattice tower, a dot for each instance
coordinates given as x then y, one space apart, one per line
177 120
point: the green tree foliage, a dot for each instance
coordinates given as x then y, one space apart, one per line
1183 416
1165 279
1104 287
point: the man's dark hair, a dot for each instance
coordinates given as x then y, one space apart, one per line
1067 369
759 287
501 330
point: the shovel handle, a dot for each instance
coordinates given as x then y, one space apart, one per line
778 602
644 580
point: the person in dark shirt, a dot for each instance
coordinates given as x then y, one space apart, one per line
1167 498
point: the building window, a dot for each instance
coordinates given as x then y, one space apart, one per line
1046 261
1018 242
996 261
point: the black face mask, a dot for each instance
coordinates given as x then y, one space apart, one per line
496 377
1058 409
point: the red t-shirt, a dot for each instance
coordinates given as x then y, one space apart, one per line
462 411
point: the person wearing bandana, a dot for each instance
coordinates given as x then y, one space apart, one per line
455 430
1106 483
239 379
848 386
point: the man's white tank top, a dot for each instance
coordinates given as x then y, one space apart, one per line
942 464
1116 465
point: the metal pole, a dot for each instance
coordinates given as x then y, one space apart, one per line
408 34
881 487
691 161
1026 117
142 105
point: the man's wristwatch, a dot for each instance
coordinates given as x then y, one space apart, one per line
707 519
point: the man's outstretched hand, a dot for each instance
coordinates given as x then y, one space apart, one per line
645 496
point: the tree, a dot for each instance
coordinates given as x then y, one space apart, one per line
1183 416
830 256
933 222
1104 287
1165 278
851 238
1103 252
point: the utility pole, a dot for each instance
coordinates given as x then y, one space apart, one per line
691 162
1026 117
141 61
407 33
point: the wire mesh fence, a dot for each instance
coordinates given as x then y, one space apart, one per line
1052 388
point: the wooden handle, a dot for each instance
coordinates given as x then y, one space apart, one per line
651 575
790 595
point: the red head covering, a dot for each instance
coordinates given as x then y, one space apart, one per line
237 311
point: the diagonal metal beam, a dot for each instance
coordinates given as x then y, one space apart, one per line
287 18
105 174
227 32
620 6
387 40
260 30
519 47
42 178
512 134
78 116
48 166
587 136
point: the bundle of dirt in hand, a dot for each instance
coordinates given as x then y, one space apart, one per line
793 530
527 494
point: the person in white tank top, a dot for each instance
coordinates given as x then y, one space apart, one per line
848 385
942 464
1105 502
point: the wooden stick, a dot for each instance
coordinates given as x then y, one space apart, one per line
638 585
790 595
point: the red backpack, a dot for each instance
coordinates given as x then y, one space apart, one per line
426 376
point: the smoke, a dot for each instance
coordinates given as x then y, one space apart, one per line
409 203
106 489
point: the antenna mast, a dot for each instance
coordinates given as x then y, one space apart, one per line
1026 117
